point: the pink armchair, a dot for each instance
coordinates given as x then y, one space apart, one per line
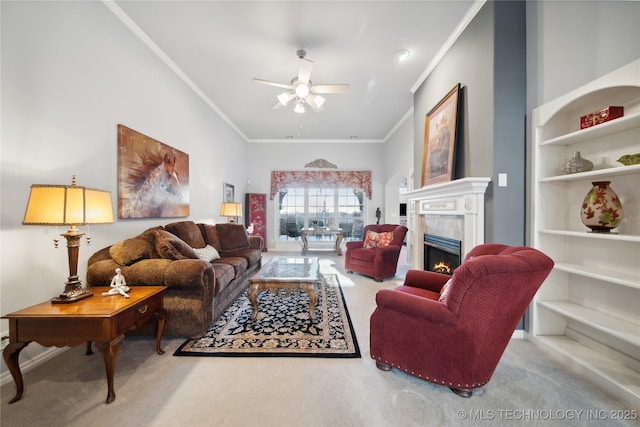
378 262
456 338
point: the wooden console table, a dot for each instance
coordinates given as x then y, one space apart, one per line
305 232
103 319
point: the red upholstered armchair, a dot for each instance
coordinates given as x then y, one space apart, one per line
457 342
376 256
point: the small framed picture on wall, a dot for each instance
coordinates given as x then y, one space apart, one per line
228 193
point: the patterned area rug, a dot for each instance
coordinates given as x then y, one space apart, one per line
283 326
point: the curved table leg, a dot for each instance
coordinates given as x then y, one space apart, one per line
10 355
312 303
253 297
305 242
339 243
161 315
109 351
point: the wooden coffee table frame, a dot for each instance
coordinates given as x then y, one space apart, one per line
273 278
103 319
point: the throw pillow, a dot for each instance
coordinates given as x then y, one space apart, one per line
375 240
384 239
445 291
232 236
208 253
210 232
370 240
130 251
188 231
170 246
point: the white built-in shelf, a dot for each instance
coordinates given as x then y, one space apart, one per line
608 128
598 270
612 276
614 326
599 173
590 235
618 378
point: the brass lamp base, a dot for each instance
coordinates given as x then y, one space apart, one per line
72 293
65 299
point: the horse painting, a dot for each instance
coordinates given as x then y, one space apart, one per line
151 185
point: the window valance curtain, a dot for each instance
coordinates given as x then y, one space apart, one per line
329 179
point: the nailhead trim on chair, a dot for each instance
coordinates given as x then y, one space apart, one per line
435 380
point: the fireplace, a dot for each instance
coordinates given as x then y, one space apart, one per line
441 254
453 209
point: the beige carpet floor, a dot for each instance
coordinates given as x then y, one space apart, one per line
527 388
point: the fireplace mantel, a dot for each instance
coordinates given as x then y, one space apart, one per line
462 198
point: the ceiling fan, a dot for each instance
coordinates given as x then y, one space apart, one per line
302 90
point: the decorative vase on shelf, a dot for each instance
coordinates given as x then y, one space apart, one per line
577 164
601 209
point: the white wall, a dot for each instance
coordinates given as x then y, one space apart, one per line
570 43
263 158
71 71
398 161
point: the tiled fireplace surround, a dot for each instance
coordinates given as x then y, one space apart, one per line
452 209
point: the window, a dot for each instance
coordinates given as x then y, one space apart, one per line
328 207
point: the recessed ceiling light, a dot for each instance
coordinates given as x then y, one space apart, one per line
402 55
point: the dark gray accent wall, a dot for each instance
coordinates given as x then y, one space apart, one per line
509 139
488 60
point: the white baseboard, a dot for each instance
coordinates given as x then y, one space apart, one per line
518 334
37 360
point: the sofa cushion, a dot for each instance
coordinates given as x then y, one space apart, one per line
239 264
129 251
170 246
210 233
208 253
188 231
363 254
224 274
251 255
232 236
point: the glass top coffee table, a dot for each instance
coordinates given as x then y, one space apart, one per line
291 273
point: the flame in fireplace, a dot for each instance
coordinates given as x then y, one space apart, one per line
441 267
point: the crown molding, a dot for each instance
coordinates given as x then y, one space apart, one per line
466 20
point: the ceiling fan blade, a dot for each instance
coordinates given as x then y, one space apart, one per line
270 83
337 88
304 71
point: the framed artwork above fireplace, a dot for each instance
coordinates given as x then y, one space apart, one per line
440 139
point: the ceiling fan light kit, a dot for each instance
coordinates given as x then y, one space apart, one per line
302 89
285 97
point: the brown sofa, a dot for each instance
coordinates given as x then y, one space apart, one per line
183 257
